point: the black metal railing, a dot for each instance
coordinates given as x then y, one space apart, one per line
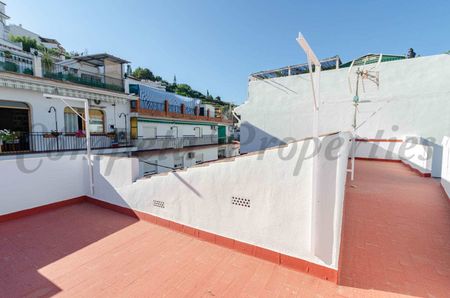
82 77
36 142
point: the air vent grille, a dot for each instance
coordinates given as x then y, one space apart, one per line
159 204
238 201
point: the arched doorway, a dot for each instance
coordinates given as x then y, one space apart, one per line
15 119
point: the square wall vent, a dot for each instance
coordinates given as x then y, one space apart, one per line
159 204
238 201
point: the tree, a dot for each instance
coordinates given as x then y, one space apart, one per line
218 98
47 60
27 42
183 89
143 74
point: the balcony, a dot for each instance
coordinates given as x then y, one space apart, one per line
40 142
13 63
159 143
159 109
82 77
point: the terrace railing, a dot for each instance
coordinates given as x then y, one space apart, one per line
39 142
158 109
82 77
164 142
14 65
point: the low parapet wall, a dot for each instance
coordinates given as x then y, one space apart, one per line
263 199
445 176
413 151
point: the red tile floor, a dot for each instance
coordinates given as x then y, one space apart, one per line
396 242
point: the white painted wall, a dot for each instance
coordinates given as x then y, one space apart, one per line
32 182
413 99
417 155
445 176
378 149
278 182
42 121
169 157
145 129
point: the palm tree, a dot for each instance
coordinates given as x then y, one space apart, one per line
47 60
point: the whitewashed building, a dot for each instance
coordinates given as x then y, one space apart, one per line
412 100
172 131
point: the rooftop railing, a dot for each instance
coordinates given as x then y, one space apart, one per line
39 142
82 77
158 109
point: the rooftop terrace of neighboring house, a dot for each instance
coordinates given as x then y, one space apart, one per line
327 64
155 102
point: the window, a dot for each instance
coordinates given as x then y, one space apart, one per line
198 132
178 162
74 123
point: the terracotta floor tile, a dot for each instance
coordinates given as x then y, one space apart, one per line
397 242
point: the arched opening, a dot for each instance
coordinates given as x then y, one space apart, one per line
14 126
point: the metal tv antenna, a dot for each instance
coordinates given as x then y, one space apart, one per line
362 74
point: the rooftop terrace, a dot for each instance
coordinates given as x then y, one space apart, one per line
396 241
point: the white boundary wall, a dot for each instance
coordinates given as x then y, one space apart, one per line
413 99
278 183
31 182
413 151
445 177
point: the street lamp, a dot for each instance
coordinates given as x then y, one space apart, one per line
56 125
125 116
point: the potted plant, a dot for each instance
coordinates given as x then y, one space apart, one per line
80 134
52 134
7 137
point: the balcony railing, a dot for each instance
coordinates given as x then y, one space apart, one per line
14 65
38 142
174 143
157 109
82 77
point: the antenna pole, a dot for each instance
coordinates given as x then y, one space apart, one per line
315 80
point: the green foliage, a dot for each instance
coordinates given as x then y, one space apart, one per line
28 71
180 89
27 42
7 136
30 43
47 60
143 74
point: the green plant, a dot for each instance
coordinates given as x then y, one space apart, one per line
28 71
27 42
7 136
8 54
47 60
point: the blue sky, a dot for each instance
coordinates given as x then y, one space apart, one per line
216 44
